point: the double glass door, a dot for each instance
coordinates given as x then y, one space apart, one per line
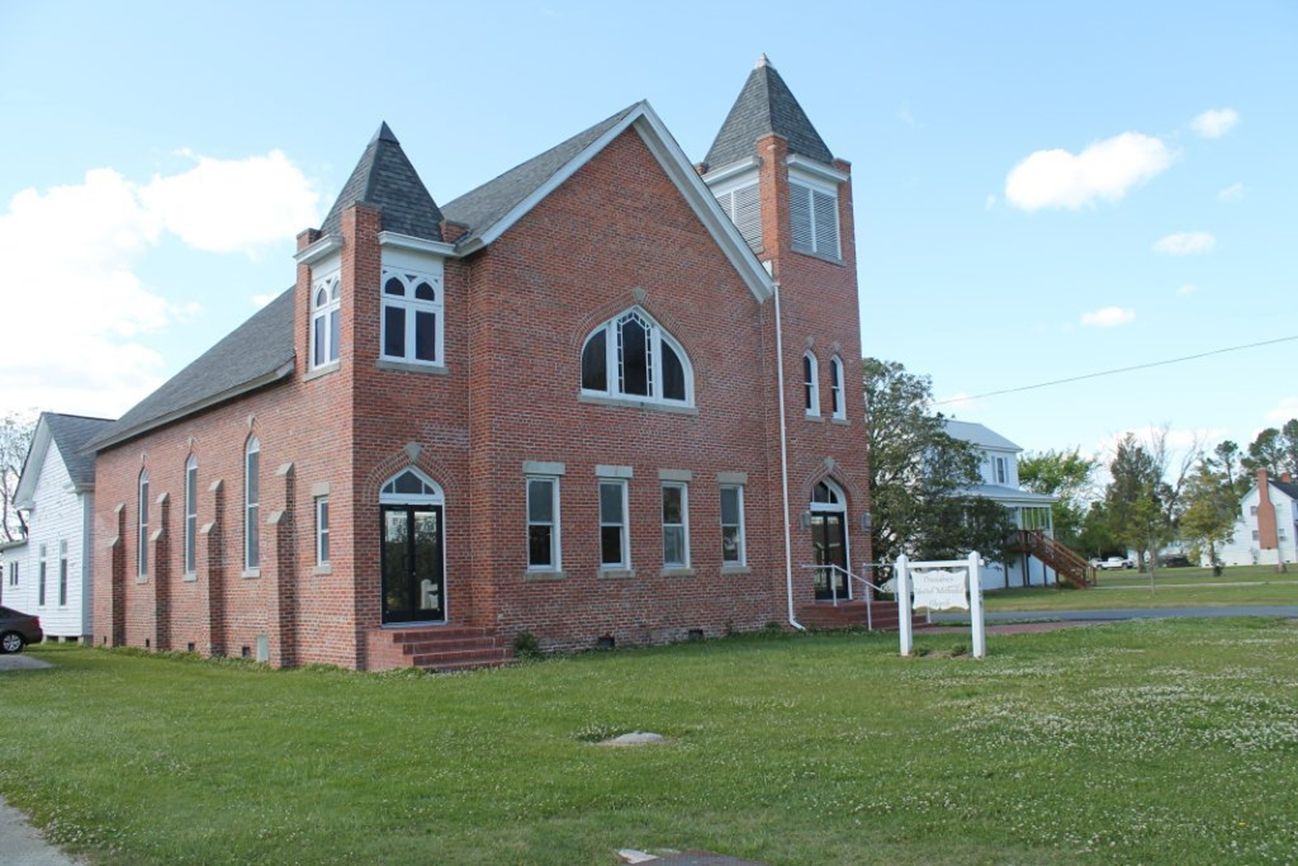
829 540
414 583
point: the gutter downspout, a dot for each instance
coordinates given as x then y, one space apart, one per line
784 455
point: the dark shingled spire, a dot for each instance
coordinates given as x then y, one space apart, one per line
765 105
385 179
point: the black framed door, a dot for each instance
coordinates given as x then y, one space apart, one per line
414 585
829 540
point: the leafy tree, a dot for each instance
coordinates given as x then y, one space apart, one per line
1289 445
965 523
1066 475
1228 458
918 473
1097 538
1268 451
1209 518
15 438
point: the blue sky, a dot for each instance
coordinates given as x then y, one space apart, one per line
1016 166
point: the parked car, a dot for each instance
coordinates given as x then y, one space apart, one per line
18 629
1113 563
1175 560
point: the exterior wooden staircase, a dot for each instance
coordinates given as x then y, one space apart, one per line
1071 567
851 614
451 648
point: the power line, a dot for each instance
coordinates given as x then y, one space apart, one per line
1117 370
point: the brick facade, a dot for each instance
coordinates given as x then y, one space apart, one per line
616 234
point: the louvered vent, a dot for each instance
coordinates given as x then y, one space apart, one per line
744 208
813 219
826 207
800 218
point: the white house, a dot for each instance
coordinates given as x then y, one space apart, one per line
1266 531
999 465
51 574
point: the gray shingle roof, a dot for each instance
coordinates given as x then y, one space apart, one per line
253 354
1288 488
483 207
977 434
765 105
384 179
70 434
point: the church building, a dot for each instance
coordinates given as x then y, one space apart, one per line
608 397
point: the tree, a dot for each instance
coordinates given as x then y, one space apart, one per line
1097 538
918 473
1144 507
1270 451
1209 518
15 439
1066 475
1289 446
1228 458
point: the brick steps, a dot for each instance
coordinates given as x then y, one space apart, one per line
451 648
851 614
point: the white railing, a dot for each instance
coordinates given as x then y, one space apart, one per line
869 588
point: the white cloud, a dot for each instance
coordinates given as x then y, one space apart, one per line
1232 193
75 250
1187 289
1284 410
1185 243
1215 122
1109 317
1105 171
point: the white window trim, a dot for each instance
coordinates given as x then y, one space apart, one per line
742 561
331 284
812 187
322 530
251 508
684 488
657 336
142 525
811 388
191 517
838 396
556 546
625 563
410 278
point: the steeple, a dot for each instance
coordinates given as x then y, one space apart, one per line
384 179
765 106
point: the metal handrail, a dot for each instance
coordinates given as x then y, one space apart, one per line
870 589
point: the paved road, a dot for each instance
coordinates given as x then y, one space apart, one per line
20 844
1287 611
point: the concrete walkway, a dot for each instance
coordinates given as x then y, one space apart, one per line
21 845
1285 611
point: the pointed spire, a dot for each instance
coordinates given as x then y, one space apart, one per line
765 106
385 179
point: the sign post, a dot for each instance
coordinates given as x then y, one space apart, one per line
903 604
976 608
944 585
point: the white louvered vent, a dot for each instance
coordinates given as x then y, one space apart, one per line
826 207
800 218
813 220
744 208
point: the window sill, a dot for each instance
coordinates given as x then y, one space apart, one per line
735 569
819 419
189 577
637 403
542 576
677 571
322 370
829 260
616 573
250 572
411 367
842 421
141 578
322 569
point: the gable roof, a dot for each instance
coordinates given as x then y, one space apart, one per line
977 434
68 434
256 353
1288 488
385 180
765 105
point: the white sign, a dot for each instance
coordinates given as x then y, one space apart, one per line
940 590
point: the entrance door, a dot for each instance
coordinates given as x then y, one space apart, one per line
414 585
829 542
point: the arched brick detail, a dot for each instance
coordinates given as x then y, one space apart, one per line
425 462
854 493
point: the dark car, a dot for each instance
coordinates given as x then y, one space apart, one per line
18 629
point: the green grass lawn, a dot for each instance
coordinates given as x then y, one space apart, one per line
1146 742
1173 587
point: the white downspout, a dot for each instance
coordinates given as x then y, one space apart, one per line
784 456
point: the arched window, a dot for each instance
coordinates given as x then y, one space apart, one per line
251 504
827 496
191 513
632 356
411 323
142 527
811 384
326 320
836 387
411 487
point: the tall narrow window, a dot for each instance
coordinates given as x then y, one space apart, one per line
411 323
251 500
732 524
543 524
63 573
1001 472
811 384
813 220
142 527
613 544
836 387
631 356
40 578
326 320
191 514
13 573
321 530
676 522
